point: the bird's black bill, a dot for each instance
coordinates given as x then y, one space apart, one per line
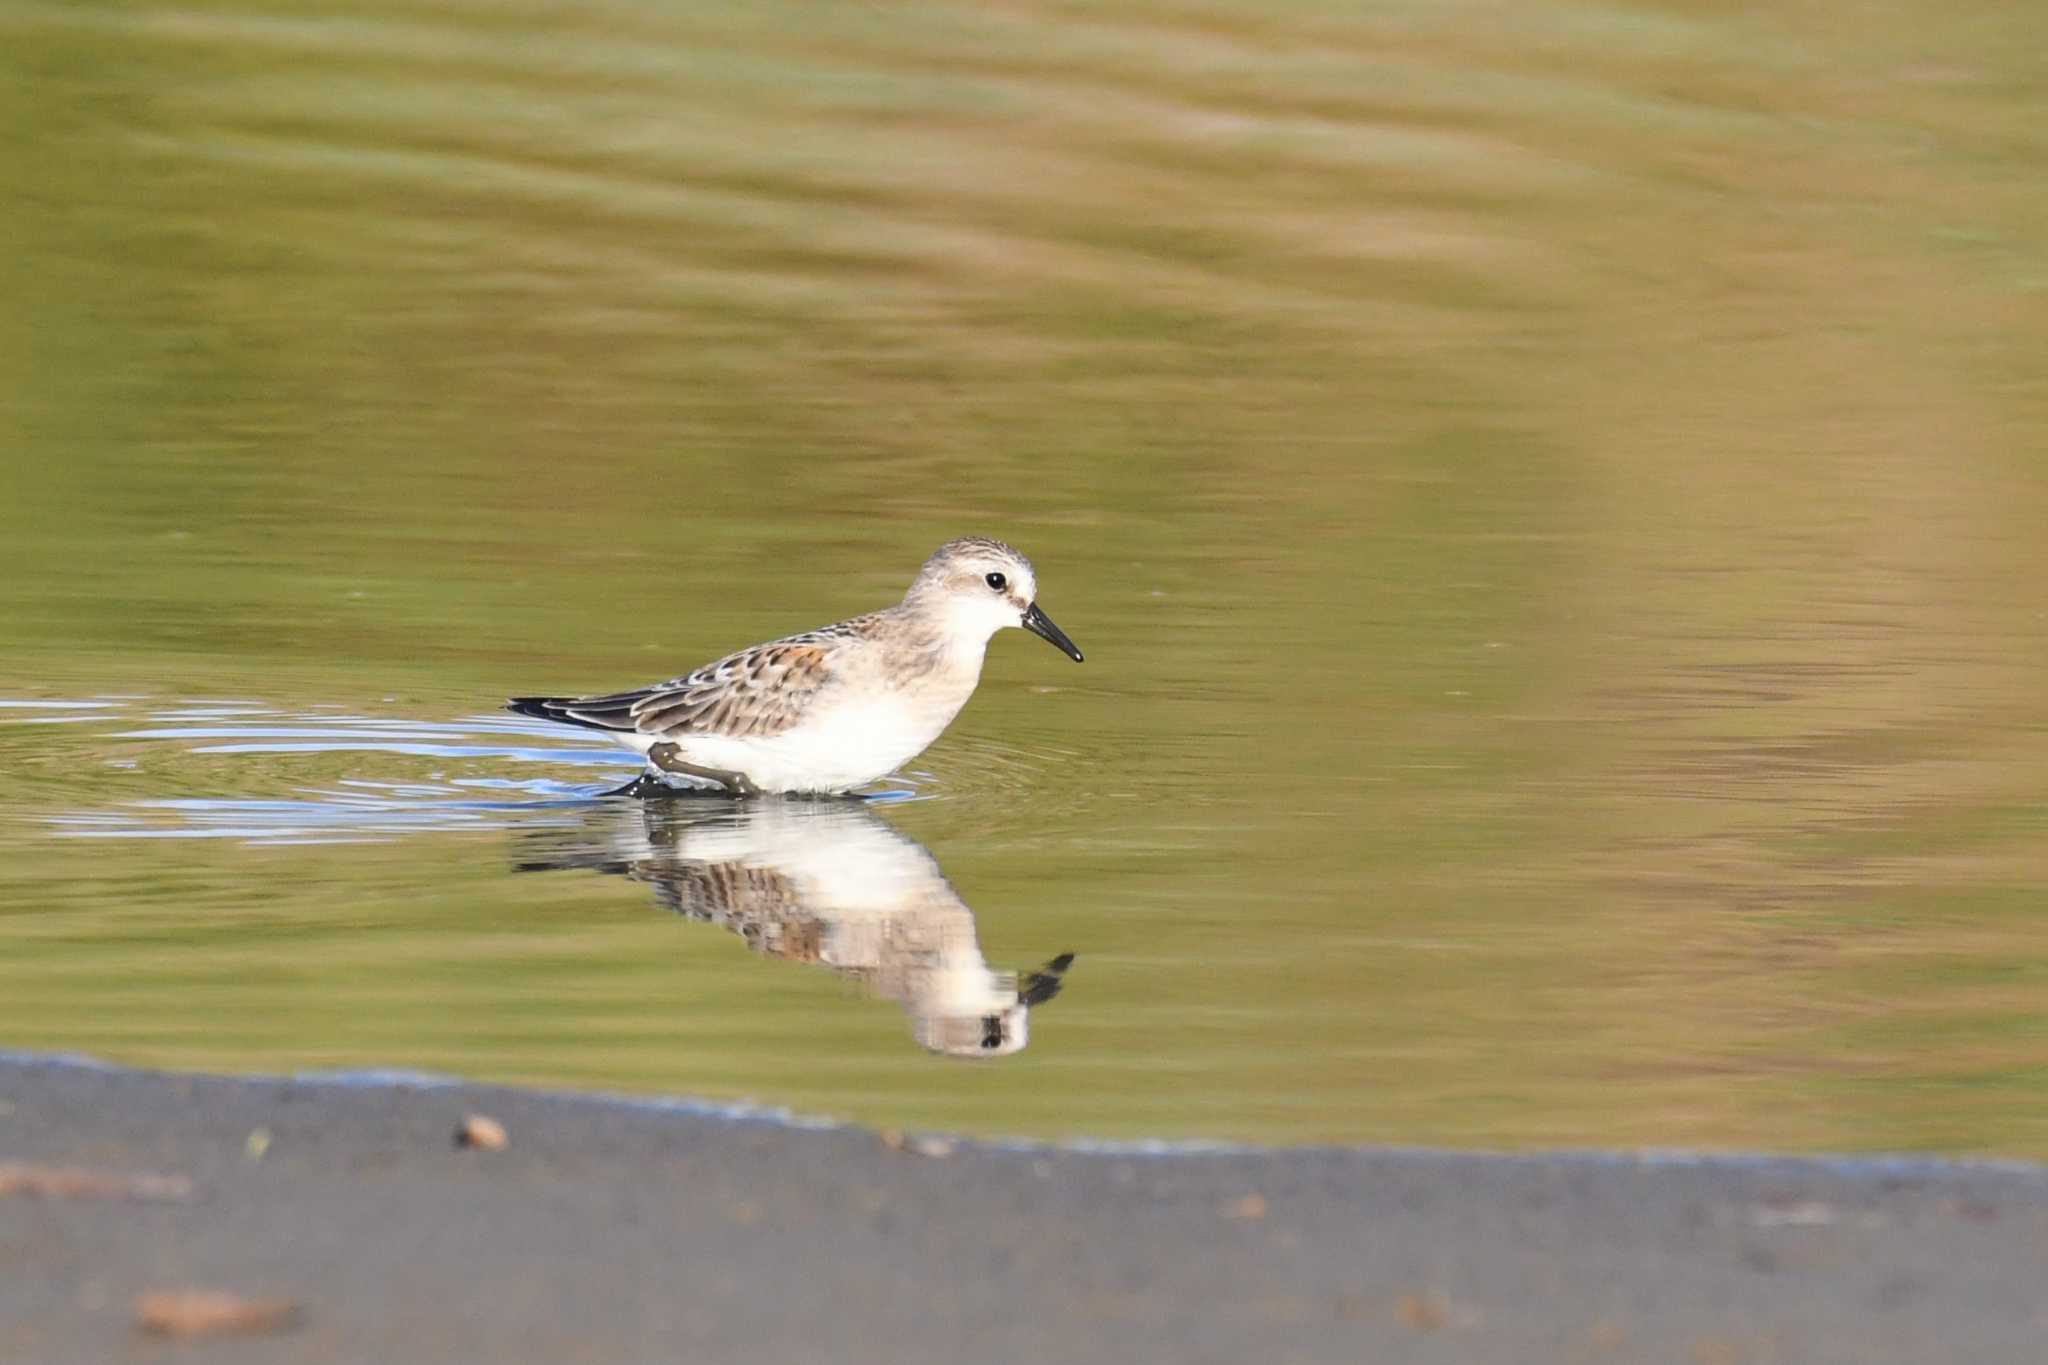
1039 624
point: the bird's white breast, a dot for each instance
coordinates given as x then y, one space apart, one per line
846 743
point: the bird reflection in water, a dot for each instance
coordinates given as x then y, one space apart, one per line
824 882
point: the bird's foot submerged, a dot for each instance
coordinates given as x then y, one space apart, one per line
653 787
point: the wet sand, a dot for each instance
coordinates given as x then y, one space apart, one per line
617 1232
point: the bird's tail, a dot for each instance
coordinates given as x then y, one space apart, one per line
610 714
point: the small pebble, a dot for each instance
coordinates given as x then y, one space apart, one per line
1424 1312
482 1132
73 1182
918 1144
1251 1206
206 1312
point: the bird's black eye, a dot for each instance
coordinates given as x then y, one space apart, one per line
998 582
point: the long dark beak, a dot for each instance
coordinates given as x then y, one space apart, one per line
1039 624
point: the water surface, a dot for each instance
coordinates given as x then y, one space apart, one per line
1551 495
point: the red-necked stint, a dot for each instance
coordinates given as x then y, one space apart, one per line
835 708
820 882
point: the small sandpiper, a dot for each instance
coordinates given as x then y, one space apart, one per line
834 708
820 882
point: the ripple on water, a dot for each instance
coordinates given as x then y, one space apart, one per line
372 805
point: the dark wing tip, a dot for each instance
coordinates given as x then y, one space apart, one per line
612 714
537 707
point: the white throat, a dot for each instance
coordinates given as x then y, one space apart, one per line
968 624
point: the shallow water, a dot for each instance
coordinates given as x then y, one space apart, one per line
1551 495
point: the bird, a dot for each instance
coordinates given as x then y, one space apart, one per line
832 709
821 882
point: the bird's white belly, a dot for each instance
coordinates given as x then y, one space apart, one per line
843 746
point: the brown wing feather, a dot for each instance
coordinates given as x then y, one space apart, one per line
758 691
755 692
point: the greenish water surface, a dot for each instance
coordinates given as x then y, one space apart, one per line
1552 494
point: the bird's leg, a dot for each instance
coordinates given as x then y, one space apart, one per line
665 757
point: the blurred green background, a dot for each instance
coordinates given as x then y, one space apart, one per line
1552 494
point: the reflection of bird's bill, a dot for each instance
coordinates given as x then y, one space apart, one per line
1043 984
815 881
1039 624
1002 1032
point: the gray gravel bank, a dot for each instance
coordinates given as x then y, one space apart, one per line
614 1232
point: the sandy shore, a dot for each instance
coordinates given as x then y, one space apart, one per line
617 1232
